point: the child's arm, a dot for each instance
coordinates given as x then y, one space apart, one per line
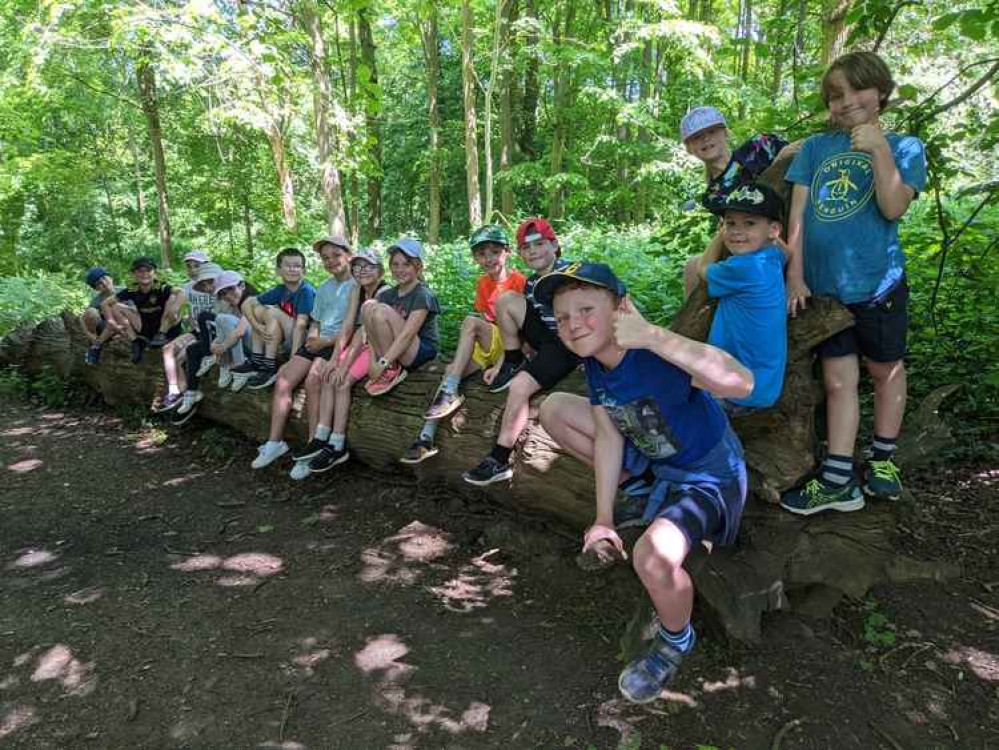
298 335
608 449
797 290
710 255
710 368
251 308
893 195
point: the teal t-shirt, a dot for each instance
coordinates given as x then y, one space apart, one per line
851 251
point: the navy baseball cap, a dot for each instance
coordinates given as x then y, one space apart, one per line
597 274
143 261
94 275
409 247
752 198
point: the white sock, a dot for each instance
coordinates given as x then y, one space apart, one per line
323 432
337 440
172 389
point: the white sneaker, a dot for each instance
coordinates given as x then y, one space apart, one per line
206 364
191 398
269 453
225 376
300 470
239 379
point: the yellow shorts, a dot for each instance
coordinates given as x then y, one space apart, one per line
486 359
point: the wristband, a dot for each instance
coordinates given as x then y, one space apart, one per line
383 362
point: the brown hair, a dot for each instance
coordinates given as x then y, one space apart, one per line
415 262
863 70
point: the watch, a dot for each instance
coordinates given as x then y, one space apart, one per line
383 362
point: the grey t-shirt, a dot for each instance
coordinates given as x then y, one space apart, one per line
332 300
418 298
98 299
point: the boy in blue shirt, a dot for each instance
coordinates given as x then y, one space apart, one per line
650 412
751 320
851 187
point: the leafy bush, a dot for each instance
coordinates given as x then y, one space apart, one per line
42 295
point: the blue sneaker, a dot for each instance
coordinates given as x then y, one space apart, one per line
644 679
817 496
884 480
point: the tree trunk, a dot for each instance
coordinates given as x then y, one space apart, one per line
471 127
431 53
528 121
747 39
140 195
248 227
563 75
275 136
799 46
372 107
499 41
834 29
507 143
779 47
151 109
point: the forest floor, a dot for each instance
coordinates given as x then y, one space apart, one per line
156 593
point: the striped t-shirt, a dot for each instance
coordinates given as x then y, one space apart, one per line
545 312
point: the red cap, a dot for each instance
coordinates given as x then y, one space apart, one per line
535 226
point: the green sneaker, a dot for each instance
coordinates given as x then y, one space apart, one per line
817 496
884 480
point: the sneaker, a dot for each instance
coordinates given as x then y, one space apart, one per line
247 368
168 402
269 453
225 376
884 480
190 400
506 373
93 355
180 418
388 380
240 379
643 680
487 472
444 404
158 341
328 458
206 364
262 379
313 449
138 350
300 470
817 496
419 451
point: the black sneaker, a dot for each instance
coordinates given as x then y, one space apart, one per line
328 458
419 451
169 402
158 341
93 355
313 449
247 368
138 350
261 379
506 373
182 418
487 472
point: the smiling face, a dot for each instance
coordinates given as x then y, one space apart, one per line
404 269
230 295
291 269
366 274
747 233
335 259
491 257
708 145
848 106
584 316
144 276
539 255
105 285
191 267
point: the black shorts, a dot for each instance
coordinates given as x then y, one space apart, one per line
879 330
326 352
551 361
152 327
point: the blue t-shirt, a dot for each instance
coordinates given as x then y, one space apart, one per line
545 312
653 404
293 304
851 251
751 320
331 304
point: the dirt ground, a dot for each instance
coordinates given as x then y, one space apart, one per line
157 593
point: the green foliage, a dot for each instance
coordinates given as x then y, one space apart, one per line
47 388
13 384
38 296
879 632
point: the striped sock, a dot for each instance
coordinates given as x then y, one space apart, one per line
682 641
257 360
882 448
429 430
837 470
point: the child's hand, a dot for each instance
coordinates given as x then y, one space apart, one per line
375 369
867 138
631 330
597 536
488 376
797 293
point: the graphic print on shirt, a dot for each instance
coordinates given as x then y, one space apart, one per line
842 185
641 422
287 308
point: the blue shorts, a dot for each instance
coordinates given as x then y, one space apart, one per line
705 499
424 353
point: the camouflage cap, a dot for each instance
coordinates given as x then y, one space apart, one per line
488 233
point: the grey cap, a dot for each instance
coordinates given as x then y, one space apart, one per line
409 247
369 256
207 272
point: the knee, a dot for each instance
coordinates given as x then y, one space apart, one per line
469 325
550 414
883 373
522 387
839 384
652 564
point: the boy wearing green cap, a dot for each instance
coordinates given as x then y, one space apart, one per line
480 345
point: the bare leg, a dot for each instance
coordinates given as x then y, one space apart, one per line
473 331
127 319
568 418
260 316
313 391
341 416
889 396
289 376
511 308
174 356
383 326
841 375
277 324
518 408
658 561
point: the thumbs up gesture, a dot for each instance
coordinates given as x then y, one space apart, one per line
867 138
631 330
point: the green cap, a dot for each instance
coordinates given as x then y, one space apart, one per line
488 233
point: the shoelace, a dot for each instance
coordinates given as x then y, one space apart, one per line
886 470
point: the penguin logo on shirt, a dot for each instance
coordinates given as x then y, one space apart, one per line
842 186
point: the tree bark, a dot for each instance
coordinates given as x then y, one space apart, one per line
779 47
248 227
507 142
431 53
528 120
563 76
372 108
151 109
275 136
140 195
471 125
499 41
834 29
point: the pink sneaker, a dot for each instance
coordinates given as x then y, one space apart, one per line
388 380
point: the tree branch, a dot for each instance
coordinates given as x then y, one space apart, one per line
891 20
95 89
970 91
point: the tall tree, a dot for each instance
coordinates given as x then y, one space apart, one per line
507 132
151 109
372 118
471 124
431 54
563 90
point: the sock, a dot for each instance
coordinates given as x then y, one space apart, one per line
323 433
429 430
451 383
337 441
173 389
837 470
682 641
257 360
882 448
501 453
513 356
268 363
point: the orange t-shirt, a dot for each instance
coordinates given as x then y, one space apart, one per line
488 291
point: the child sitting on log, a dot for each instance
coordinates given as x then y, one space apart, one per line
328 448
278 320
401 322
750 322
649 412
96 327
480 344
327 338
522 318
852 185
139 309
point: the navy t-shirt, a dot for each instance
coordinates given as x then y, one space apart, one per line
653 404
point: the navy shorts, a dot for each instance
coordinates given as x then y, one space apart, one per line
879 329
424 353
325 353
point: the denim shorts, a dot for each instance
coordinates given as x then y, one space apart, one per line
424 353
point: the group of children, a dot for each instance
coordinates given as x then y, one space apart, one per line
656 426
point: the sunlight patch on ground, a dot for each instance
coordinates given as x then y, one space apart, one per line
286 745
85 596
982 663
23 467
14 717
382 654
177 481
19 431
476 584
246 568
33 558
733 681
391 561
59 664
541 452
311 653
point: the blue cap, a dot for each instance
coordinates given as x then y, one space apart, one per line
698 119
408 246
94 275
597 274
